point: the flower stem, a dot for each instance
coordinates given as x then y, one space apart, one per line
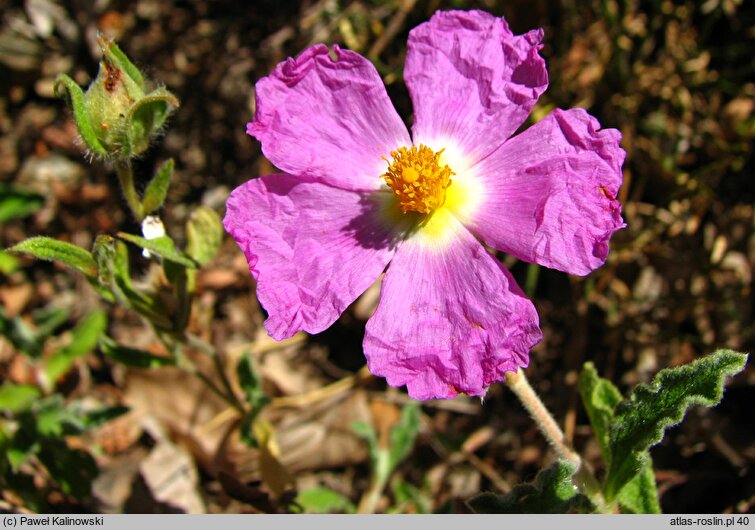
584 478
126 179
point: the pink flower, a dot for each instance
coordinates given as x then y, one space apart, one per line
359 195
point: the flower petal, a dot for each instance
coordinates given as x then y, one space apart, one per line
328 120
472 81
312 248
450 318
550 193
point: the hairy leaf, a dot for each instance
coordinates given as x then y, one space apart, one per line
552 492
50 249
641 420
640 494
404 433
204 234
157 189
65 86
162 246
324 500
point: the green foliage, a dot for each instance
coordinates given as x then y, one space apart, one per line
35 429
49 249
132 356
16 202
254 395
15 398
28 338
552 492
600 398
641 420
157 189
204 233
8 263
84 339
404 434
162 246
324 500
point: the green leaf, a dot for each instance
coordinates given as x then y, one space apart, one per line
600 398
251 383
16 398
8 263
640 494
50 249
132 356
324 500
162 246
404 433
367 432
552 492
65 86
641 420
16 202
204 233
84 339
157 189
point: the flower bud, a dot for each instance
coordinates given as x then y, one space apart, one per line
117 117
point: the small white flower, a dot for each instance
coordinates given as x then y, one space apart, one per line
152 228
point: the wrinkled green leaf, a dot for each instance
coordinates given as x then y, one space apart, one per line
84 339
157 189
552 492
15 398
16 202
65 86
132 356
204 233
162 246
50 249
324 500
404 433
641 420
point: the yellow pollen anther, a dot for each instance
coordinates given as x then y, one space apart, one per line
417 178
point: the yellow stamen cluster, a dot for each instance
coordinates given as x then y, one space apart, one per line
417 178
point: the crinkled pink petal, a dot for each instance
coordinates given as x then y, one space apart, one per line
327 120
449 321
312 248
472 80
550 193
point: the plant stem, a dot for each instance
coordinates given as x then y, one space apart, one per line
548 426
196 342
126 179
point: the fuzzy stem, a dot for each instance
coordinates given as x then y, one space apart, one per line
126 179
548 426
